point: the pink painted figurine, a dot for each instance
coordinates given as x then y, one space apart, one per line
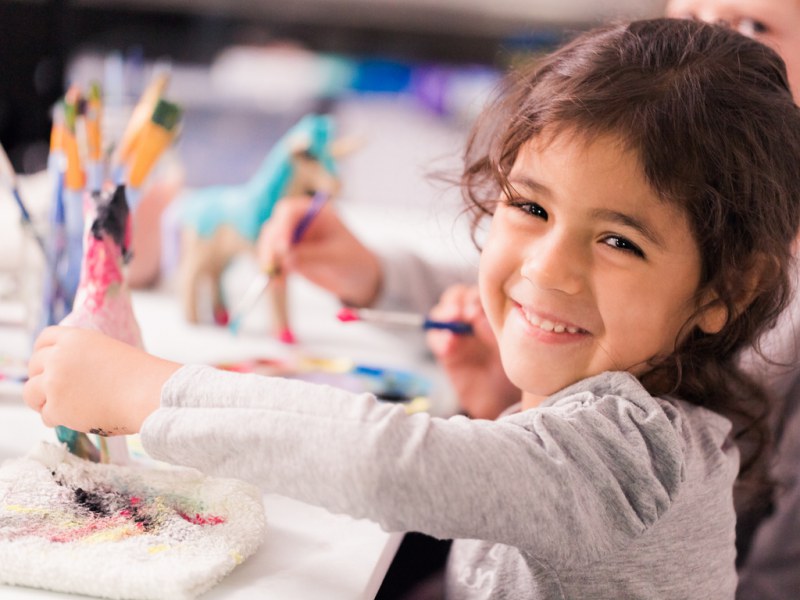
103 301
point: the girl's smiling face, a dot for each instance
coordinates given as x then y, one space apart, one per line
585 269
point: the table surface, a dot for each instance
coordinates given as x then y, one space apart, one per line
308 552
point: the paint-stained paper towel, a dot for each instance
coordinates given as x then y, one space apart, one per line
126 532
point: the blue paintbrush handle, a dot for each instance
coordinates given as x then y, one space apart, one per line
457 327
26 219
22 208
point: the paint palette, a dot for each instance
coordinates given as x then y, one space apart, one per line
388 384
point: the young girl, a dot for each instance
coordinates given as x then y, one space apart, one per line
642 185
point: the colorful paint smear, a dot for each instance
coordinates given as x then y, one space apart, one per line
101 513
388 384
72 525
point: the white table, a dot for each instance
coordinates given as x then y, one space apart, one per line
308 552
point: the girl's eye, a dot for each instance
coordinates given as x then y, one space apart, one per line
751 27
621 243
530 208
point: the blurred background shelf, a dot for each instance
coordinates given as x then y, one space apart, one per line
39 38
460 17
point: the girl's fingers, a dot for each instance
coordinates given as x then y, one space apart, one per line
451 304
275 244
472 302
47 418
33 394
441 342
33 390
47 337
36 362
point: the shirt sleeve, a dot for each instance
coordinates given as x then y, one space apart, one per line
411 282
595 469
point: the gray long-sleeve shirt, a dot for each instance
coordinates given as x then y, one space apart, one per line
602 492
772 567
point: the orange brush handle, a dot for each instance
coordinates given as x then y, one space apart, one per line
75 178
57 138
140 117
94 115
93 134
153 140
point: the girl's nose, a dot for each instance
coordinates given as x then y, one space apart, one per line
553 262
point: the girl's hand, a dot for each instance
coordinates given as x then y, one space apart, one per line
471 361
328 254
90 382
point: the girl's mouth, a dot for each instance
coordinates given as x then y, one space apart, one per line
549 325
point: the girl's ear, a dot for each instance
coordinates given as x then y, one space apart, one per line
715 314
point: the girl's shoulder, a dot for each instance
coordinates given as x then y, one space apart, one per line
617 401
657 449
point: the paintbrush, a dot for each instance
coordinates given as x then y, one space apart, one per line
156 134
92 119
251 296
261 282
8 173
74 177
142 113
153 139
405 319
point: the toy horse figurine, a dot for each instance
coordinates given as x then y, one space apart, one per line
103 301
222 221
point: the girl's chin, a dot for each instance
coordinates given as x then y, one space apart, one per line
532 400
537 388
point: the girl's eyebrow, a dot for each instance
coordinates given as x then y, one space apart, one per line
605 214
627 220
531 184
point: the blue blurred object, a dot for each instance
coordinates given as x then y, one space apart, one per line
378 75
392 384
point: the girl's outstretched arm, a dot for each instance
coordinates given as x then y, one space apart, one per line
90 382
531 480
472 362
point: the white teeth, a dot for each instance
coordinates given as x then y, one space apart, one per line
546 325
